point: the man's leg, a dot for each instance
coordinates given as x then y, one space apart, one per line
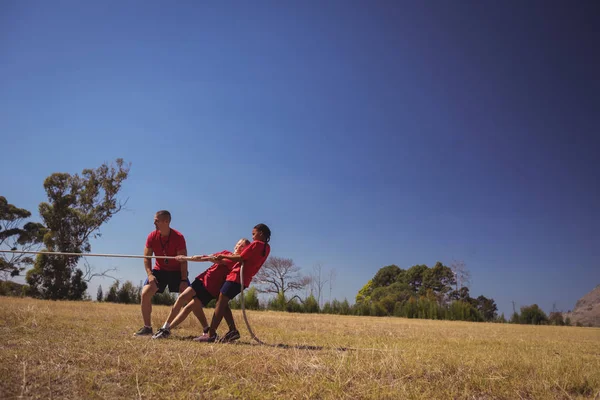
146 304
147 292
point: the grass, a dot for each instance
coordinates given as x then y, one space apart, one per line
86 350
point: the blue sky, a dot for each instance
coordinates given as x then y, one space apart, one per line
363 133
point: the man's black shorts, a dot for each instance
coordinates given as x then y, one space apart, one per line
167 278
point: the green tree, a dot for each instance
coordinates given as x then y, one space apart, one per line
76 209
515 318
461 294
388 303
13 236
487 308
277 303
440 278
293 305
364 294
556 318
311 305
533 314
165 298
112 296
345 307
386 276
251 299
378 310
99 294
128 294
9 288
415 277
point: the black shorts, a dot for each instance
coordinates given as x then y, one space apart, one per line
231 289
201 293
167 278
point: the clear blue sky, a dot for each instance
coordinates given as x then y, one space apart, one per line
363 133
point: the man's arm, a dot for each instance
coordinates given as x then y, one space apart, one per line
148 265
183 264
148 261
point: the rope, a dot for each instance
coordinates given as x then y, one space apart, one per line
244 308
60 253
252 334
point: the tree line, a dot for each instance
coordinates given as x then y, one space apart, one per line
78 205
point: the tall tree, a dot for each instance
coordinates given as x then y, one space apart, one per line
280 276
332 276
364 294
487 307
386 276
317 282
533 314
76 209
439 279
415 276
15 236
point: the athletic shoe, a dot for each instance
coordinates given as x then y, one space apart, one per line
162 333
230 336
144 331
206 339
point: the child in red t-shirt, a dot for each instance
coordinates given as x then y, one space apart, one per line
204 288
253 257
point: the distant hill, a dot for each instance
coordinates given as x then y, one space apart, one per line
587 309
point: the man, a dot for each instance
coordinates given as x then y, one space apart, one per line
166 242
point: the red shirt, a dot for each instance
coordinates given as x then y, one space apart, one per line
214 277
166 246
253 259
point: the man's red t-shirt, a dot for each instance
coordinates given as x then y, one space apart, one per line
166 246
253 259
214 277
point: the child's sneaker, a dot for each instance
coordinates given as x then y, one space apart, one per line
206 339
162 333
230 336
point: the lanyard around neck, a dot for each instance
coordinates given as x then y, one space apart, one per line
164 246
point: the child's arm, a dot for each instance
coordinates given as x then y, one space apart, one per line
232 257
196 258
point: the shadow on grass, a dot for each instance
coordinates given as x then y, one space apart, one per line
278 345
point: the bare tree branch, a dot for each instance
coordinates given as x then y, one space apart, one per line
89 273
332 276
461 274
317 281
280 275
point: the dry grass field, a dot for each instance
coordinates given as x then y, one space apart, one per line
83 350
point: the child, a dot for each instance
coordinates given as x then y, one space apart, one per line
204 288
253 258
